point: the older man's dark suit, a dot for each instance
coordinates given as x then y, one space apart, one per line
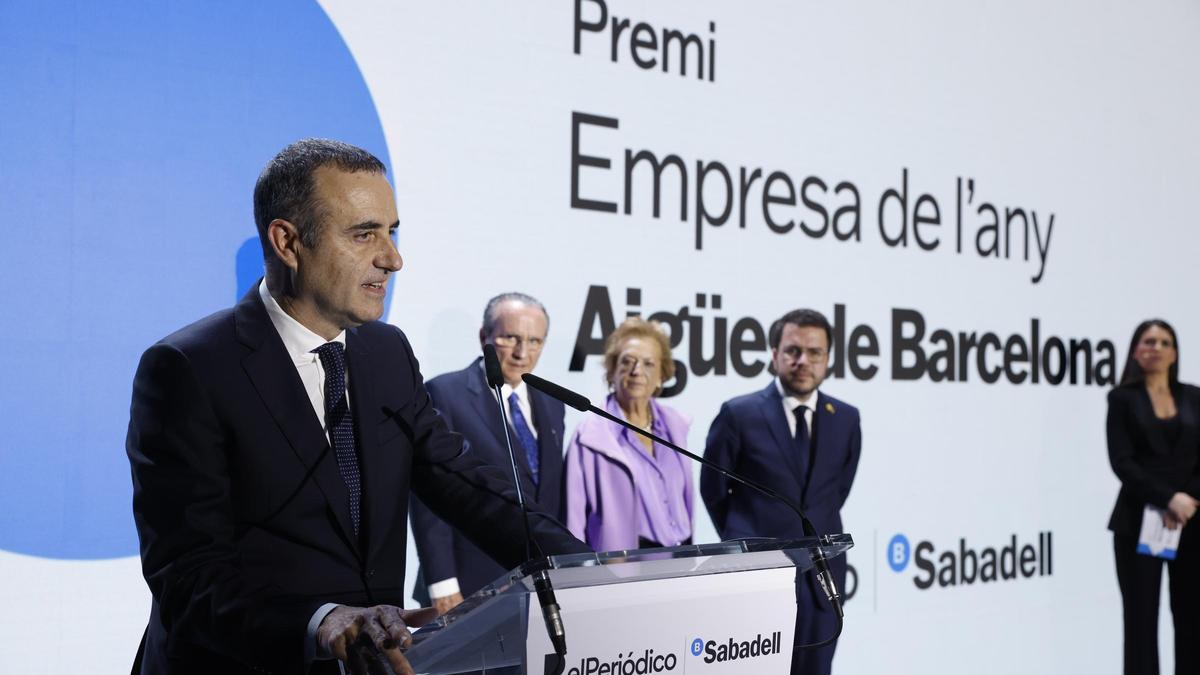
469 408
241 511
750 436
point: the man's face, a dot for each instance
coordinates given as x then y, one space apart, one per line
518 333
802 358
341 282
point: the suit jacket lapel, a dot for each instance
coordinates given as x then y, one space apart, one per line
823 421
379 481
771 407
484 402
1144 410
485 406
1186 421
274 376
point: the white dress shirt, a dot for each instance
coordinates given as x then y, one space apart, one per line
789 404
299 342
522 391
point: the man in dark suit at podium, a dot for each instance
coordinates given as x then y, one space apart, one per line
516 325
800 442
273 446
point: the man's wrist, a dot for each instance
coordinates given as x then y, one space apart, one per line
312 651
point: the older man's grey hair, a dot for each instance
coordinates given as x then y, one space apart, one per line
490 311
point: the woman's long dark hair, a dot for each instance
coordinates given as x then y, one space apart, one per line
1133 373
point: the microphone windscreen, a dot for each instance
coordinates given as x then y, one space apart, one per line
576 401
491 366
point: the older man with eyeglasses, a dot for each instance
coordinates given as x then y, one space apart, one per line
516 324
802 443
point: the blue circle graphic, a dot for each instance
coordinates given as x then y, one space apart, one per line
898 553
131 135
697 646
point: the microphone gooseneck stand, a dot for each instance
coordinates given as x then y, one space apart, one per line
541 578
820 562
495 380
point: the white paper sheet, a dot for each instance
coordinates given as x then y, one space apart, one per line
1155 538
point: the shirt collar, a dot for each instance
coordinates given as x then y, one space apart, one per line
521 389
791 402
297 340
658 425
506 388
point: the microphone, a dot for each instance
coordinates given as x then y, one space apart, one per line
820 562
491 367
568 397
551 612
495 380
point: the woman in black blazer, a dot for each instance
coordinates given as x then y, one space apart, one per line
1154 448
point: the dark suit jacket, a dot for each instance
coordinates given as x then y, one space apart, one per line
469 408
750 437
240 509
1151 470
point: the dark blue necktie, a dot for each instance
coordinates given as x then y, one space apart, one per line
341 423
802 439
524 434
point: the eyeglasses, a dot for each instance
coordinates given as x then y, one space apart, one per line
533 344
628 362
793 354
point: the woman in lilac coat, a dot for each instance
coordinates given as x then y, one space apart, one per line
623 491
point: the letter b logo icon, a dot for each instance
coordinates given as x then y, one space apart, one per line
898 552
697 646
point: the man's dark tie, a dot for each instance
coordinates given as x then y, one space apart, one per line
524 434
341 424
801 438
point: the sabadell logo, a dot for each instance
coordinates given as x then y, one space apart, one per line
733 650
965 564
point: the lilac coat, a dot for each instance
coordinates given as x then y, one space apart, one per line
601 499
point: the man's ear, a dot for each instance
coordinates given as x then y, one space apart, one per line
285 242
482 338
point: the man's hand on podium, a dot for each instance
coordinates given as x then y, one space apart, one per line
364 638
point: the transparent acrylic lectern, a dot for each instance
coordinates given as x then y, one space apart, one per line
652 606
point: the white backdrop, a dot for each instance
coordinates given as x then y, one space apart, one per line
1079 111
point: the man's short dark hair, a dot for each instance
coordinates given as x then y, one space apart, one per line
801 318
285 187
